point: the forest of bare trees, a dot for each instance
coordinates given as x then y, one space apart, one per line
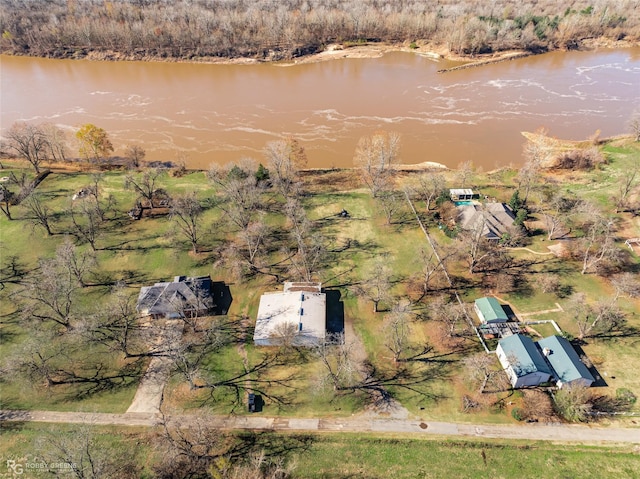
272 30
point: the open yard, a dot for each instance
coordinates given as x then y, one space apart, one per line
427 376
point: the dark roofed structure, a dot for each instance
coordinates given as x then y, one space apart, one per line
176 299
495 219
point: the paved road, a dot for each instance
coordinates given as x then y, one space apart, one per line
541 432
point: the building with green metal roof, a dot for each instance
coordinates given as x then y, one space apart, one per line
523 361
566 364
489 310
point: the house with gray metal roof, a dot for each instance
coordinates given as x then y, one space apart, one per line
184 296
523 361
489 310
566 364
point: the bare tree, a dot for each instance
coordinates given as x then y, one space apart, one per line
103 206
185 212
626 184
56 142
117 325
284 159
6 201
572 402
598 243
634 125
79 264
476 247
40 213
429 187
51 295
481 368
433 267
465 173
309 245
89 455
391 202
376 156
145 185
246 253
604 317
397 330
377 284
452 316
239 190
626 284
337 358
135 154
557 213
29 142
88 224
534 157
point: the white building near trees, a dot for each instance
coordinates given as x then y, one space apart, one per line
297 315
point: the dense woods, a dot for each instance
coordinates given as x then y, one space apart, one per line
274 30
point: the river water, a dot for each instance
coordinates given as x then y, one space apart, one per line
203 113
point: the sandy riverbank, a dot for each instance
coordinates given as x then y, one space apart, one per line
432 51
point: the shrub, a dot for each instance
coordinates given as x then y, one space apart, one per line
518 414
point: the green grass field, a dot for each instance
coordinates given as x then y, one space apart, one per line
145 251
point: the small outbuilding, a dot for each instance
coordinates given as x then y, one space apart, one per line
297 315
523 361
458 194
566 364
489 310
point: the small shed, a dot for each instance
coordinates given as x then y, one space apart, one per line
522 361
489 310
566 364
460 194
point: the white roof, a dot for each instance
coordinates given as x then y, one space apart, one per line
458 191
306 310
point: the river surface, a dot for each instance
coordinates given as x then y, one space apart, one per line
205 113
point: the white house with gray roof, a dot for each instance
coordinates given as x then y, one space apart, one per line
523 361
300 309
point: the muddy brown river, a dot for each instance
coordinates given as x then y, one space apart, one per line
203 113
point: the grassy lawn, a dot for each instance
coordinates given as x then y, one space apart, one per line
145 251
358 456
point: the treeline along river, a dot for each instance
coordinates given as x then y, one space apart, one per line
204 113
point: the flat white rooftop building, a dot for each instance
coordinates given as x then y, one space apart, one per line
297 315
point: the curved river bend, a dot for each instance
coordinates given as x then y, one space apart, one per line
204 113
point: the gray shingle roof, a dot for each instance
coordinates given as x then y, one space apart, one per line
173 299
495 219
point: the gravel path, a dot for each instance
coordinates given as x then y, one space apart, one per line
537 432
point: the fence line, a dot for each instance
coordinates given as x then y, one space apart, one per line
446 273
